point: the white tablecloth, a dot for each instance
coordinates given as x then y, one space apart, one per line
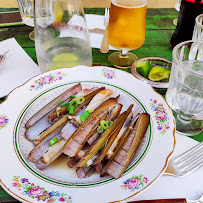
189 187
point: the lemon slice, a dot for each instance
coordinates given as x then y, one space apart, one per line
143 68
158 73
64 58
58 10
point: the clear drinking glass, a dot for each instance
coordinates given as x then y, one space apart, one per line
126 30
27 11
198 30
61 34
26 8
185 91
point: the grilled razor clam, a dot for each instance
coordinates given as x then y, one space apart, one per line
51 155
63 110
60 107
72 162
41 125
43 146
84 171
105 136
87 168
61 121
51 129
123 157
45 122
69 128
110 117
96 101
111 140
51 105
122 131
91 161
78 142
80 136
41 165
100 166
53 152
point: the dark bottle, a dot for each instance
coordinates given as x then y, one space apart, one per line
189 10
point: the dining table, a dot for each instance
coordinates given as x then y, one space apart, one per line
159 28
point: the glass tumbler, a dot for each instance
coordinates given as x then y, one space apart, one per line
185 91
61 34
26 8
198 29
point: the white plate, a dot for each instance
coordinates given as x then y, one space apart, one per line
57 183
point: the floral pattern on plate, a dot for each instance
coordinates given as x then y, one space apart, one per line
37 192
3 121
134 183
46 80
110 74
160 115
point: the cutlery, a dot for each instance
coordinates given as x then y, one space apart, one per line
105 45
2 58
181 200
187 162
97 30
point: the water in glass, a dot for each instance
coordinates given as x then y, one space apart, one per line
61 36
185 92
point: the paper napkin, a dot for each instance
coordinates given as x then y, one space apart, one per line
17 68
96 21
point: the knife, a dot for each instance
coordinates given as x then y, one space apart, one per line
162 201
105 45
97 30
180 200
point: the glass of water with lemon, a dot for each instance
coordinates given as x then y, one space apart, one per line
61 35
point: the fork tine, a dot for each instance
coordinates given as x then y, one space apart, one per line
188 158
3 56
108 14
189 171
105 16
189 164
181 156
105 12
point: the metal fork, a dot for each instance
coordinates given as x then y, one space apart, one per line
3 57
187 162
105 46
179 200
106 16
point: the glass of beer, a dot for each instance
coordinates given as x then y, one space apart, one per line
126 30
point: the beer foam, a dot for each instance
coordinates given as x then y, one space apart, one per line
129 3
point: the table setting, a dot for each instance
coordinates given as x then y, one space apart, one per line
96 105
